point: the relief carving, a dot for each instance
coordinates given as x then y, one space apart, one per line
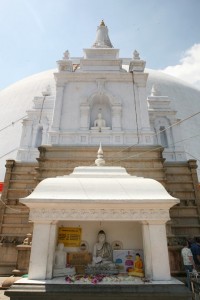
101 214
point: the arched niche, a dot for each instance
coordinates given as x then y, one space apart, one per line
110 106
100 103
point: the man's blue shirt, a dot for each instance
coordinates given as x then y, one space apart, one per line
195 248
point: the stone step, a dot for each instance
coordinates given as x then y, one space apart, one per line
22 184
186 202
16 225
188 184
6 268
16 229
180 177
185 221
13 234
171 290
182 194
12 208
15 219
16 209
13 202
186 230
18 193
183 211
23 176
178 236
24 168
180 187
185 225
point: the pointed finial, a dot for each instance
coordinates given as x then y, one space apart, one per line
102 23
155 91
66 55
100 161
102 37
136 55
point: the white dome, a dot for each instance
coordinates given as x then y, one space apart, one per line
18 98
15 100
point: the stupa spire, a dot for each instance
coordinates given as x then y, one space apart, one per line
102 37
100 161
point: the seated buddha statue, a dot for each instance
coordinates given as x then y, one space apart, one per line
102 257
100 123
102 252
137 269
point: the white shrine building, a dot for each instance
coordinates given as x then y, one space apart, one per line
101 194
100 98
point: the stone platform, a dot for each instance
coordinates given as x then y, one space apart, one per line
59 289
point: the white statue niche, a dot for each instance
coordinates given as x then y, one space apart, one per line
100 123
60 267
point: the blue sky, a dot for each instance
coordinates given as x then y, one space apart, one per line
35 33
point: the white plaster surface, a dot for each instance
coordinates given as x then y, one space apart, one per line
42 252
158 251
129 233
102 184
18 98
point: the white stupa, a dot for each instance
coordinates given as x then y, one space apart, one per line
101 80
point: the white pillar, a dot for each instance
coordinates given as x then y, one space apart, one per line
58 108
44 134
84 116
147 251
117 117
42 250
51 252
26 133
156 257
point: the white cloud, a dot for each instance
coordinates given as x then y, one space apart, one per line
189 67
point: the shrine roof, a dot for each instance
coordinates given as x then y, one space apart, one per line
101 184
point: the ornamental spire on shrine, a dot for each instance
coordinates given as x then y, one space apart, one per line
102 37
100 161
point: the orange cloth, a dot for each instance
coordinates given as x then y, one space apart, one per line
138 268
138 265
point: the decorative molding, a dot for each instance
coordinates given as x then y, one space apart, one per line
99 214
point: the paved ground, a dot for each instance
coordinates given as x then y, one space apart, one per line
2 296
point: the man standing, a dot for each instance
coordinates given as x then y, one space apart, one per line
187 261
195 248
